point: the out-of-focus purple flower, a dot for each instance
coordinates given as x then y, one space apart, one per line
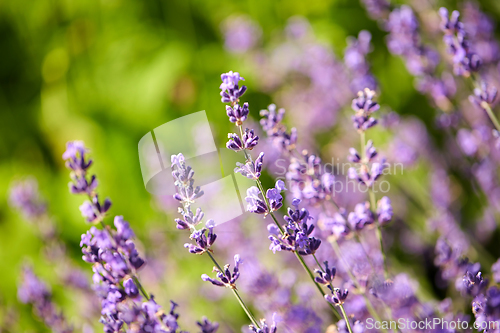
184 182
226 278
251 169
75 156
264 328
384 210
250 140
474 283
355 56
361 216
276 130
377 9
483 96
255 204
24 196
231 92
404 40
207 326
464 60
241 34
34 291
496 271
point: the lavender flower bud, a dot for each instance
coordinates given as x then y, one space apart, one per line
254 203
337 297
327 276
230 91
237 114
384 210
251 169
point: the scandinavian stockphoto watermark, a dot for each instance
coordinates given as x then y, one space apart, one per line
430 324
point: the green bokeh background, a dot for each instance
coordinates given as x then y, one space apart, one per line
109 71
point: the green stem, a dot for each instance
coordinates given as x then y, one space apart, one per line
369 305
237 295
141 288
345 318
373 205
282 231
492 116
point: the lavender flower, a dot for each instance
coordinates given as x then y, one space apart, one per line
364 106
224 277
361 216
230 93
36 292
241 34
251 169
254 202
274 195
264 327
24 196
464 60
384 210
483 96
249 141
297 233
276 130
327 276
203 241
337 297
206 326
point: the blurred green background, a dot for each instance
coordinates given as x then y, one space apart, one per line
106 72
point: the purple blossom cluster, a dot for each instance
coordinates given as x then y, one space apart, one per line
125 305
34 291
465 61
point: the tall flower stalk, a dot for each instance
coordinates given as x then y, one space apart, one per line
295 236
125 304
204 237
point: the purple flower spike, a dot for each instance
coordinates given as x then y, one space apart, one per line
337 297
254 202
384 210
364 106
274 196
25 197
230 91
483 96
264 328
206 326
361 216
225 278
250 140
327 276
237 114
251 169
464 60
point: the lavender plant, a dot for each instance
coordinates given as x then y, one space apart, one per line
125 304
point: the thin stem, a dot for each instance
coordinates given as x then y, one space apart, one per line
492 116
282 231
369 304
141 288
373 204
237 295
345 318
